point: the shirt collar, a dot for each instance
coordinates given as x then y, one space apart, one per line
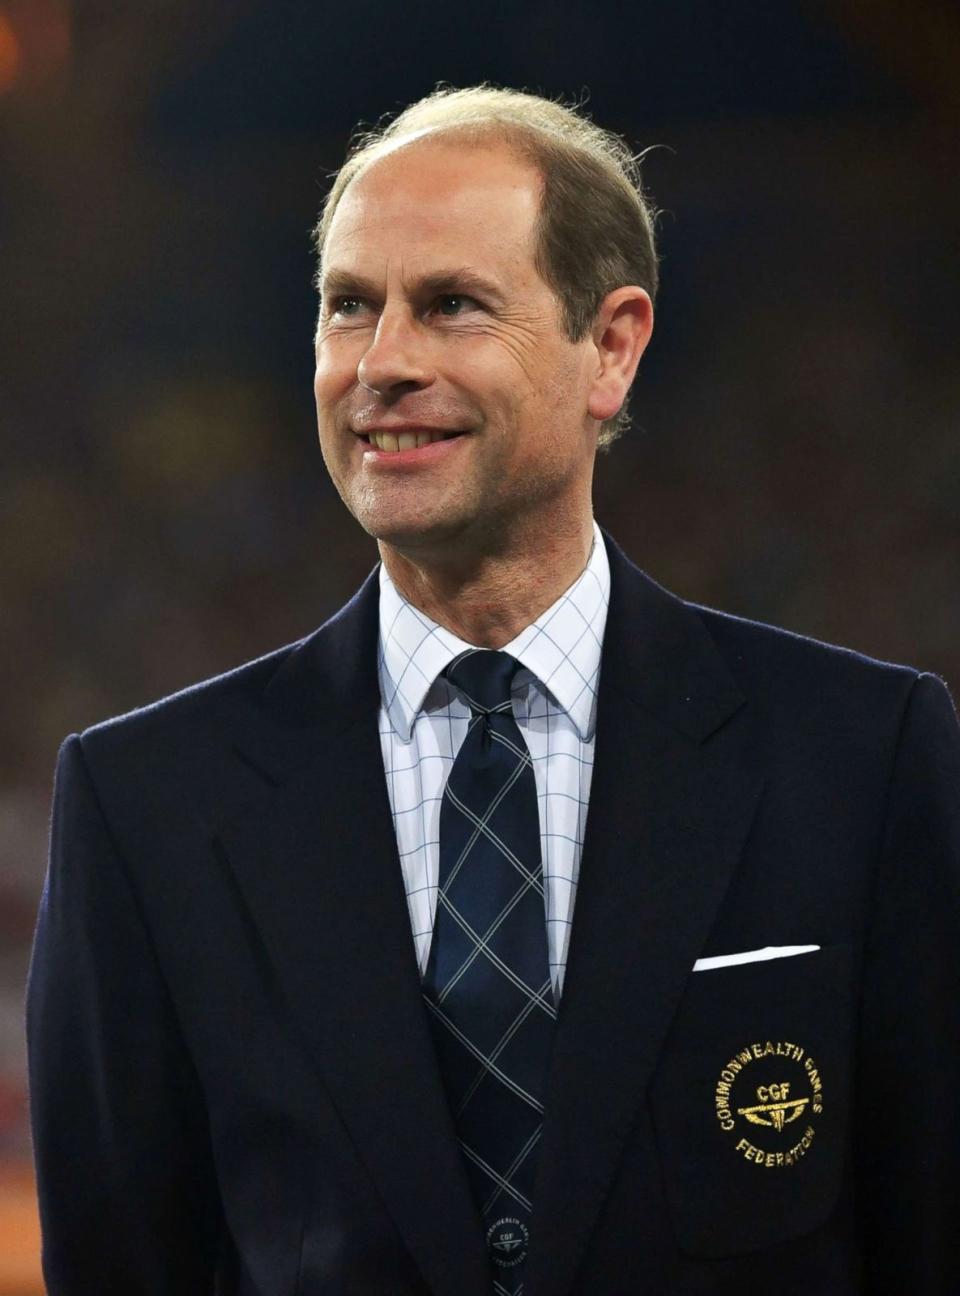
561 648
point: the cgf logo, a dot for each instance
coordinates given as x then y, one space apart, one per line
773 1109
764 1088
507 1240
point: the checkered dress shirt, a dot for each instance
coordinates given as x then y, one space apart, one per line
423 722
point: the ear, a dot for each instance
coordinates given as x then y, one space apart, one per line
622 330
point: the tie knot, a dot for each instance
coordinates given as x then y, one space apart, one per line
484 678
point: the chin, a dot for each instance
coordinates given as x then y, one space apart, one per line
413 533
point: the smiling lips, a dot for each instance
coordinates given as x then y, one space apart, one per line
409 439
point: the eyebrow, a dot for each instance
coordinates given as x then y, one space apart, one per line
337 283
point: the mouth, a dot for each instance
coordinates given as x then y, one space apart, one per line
394 442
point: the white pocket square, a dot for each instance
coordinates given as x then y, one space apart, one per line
752 956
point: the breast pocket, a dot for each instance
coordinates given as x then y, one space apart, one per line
750 1101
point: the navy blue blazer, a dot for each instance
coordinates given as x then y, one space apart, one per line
232 1082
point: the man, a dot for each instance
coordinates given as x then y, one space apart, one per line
683 1017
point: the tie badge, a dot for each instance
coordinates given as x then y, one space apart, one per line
507 1240
767 1098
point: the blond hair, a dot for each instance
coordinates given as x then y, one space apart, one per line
595 231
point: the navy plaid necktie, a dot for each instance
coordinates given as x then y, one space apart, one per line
487 984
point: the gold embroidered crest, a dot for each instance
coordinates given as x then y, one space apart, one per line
769 1093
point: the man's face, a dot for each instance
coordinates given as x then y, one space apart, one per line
438 336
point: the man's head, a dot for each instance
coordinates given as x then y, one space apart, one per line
595 226
487 268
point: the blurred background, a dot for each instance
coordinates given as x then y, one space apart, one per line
164 512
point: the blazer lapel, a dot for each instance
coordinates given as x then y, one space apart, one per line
670 806
315 860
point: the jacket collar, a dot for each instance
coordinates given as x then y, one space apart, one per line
656 652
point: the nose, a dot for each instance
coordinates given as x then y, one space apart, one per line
398 357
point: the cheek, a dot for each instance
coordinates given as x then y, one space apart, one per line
327 386
336 371
550 392
328 394
491 375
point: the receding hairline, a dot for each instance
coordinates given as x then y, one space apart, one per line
482 137
487 135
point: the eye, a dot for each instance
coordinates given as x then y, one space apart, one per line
345 305
452 304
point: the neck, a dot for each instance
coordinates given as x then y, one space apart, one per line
486 599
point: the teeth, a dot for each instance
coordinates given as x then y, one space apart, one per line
392 442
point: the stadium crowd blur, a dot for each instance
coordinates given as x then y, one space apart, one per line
164 512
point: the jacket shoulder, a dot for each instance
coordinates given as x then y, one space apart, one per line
774 641
722 653
769 661
188 721
250 721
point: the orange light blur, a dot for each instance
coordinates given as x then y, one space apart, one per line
19 1233
35 47
11 55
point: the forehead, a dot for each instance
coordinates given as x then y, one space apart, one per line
437 200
